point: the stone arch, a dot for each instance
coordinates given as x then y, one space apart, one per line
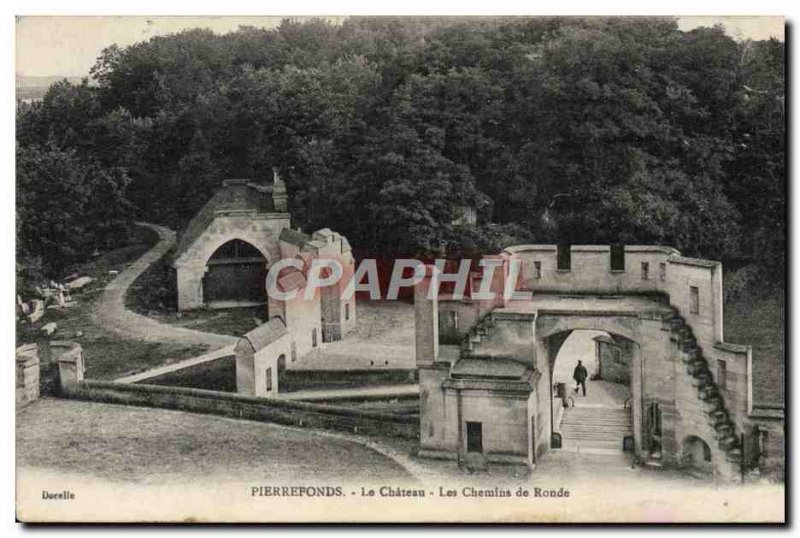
218 241
624 326
235 274
696 455
553 330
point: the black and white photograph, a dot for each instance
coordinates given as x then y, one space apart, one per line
400 269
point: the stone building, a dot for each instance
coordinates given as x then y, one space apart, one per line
224 253
261 357
612 359
490 398
222 261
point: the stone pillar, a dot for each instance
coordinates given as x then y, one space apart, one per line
27 373
717 299
279 196
426 321
69 356
190 286
245 368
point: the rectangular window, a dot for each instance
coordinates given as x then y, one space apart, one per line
347 311
474 437
564 257
722 375
694 299
268 379
645 270
537 269
617 355
313 337
662 271
294 351
617 257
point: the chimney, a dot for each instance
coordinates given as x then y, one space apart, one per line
279 197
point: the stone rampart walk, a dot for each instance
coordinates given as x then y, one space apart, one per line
110 312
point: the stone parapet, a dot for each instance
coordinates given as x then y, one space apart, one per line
69 356
27 384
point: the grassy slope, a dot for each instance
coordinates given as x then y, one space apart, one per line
107 355
133 444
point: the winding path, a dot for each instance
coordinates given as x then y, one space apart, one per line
110 312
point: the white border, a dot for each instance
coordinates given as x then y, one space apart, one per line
315 7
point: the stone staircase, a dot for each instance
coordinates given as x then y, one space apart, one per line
476 334
595 428
699 375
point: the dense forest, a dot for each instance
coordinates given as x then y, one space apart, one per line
556 130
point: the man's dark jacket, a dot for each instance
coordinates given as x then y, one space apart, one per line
580 373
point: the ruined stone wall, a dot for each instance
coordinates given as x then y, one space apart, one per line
456 318
511 337
304 323
614 360
436 437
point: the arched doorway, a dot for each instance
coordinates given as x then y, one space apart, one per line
601 420
281 370
235 276
696 456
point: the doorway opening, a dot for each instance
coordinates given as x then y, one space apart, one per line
235 276
599 420
475 437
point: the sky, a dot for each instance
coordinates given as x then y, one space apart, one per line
69 46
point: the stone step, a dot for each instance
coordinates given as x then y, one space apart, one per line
596 424
604 436
600 427
597 429
591 417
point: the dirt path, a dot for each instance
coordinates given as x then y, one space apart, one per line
110 312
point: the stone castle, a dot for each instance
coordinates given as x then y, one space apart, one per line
485 367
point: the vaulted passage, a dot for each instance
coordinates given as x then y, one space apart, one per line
593 416
235 276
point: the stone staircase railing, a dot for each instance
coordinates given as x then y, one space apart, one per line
700 377
476 334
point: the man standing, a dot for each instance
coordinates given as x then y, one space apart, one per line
579 375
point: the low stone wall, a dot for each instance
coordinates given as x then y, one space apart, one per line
27 385
246 407
295 380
